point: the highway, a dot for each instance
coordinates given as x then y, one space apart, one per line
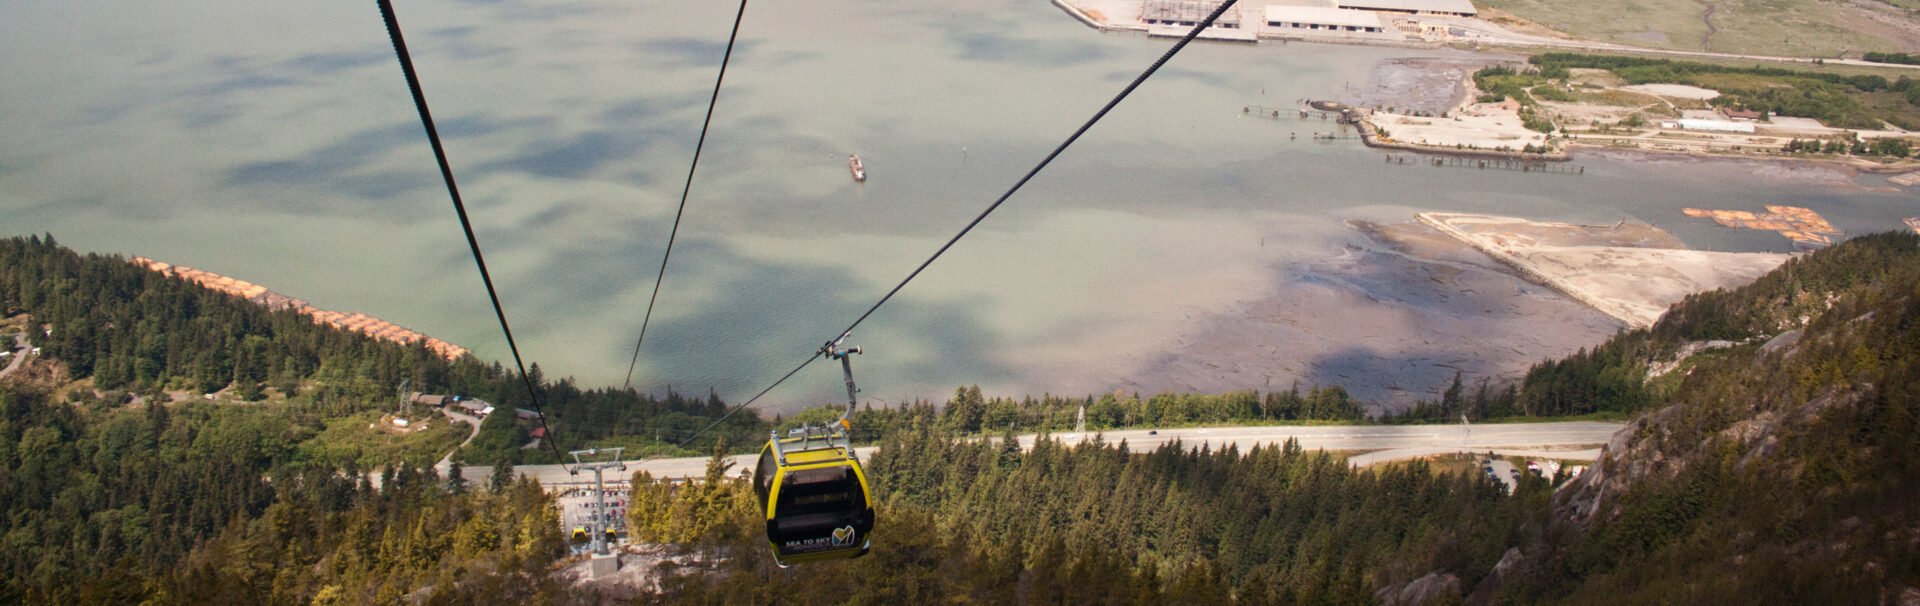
1567 440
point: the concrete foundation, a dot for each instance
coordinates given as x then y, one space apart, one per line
602 566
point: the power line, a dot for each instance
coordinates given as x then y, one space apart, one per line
459 207
675 232
750 401
996 203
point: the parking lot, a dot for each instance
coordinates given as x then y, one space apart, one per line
1503 472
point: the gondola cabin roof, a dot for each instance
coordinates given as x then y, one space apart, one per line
809 457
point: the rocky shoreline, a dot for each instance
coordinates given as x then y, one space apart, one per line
355 321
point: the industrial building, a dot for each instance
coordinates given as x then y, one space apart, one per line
1718 126
475 407
1457 8
1186 13
1318 18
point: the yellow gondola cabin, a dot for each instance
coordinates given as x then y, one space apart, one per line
815 496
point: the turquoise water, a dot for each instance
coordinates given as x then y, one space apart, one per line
274 142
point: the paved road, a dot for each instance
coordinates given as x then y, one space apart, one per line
446 462
1570 440
19 357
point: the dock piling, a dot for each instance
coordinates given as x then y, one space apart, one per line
1519 164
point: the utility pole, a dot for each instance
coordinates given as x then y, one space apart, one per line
599 520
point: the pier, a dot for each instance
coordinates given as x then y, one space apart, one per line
1303 113
1306 111
1525 166
1338 116
1263 111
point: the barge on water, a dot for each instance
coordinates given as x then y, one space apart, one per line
859 170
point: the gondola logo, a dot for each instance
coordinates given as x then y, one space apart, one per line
843 536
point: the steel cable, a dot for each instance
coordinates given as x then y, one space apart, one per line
460 208
675 232
996 203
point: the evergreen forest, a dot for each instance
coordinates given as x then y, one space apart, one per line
1812 390
122 483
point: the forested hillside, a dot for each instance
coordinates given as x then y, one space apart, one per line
1614 376
128 332
1778 467
112 485
970 411
1783 469
1772 459
976 521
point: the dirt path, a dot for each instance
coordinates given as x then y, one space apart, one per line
1706 41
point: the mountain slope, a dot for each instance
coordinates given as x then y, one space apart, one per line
1781 467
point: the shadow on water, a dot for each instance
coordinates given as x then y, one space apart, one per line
774 313
351 165
683 51
993 43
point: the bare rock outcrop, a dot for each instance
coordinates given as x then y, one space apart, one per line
1435 588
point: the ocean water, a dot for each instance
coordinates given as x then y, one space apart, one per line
275 142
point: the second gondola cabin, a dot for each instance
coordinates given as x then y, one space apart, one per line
815 497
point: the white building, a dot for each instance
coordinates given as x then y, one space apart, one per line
1283 18
1717 126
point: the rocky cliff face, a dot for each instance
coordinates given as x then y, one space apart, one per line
1658 446
1433 588
1780 466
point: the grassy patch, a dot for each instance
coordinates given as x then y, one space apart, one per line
1856 101
1551 92
1618 98
1646 23
1458 463
1499 83
1799 28
1595 78
1894 107
350 438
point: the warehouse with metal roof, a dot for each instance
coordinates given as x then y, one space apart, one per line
1461 8
1318 18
